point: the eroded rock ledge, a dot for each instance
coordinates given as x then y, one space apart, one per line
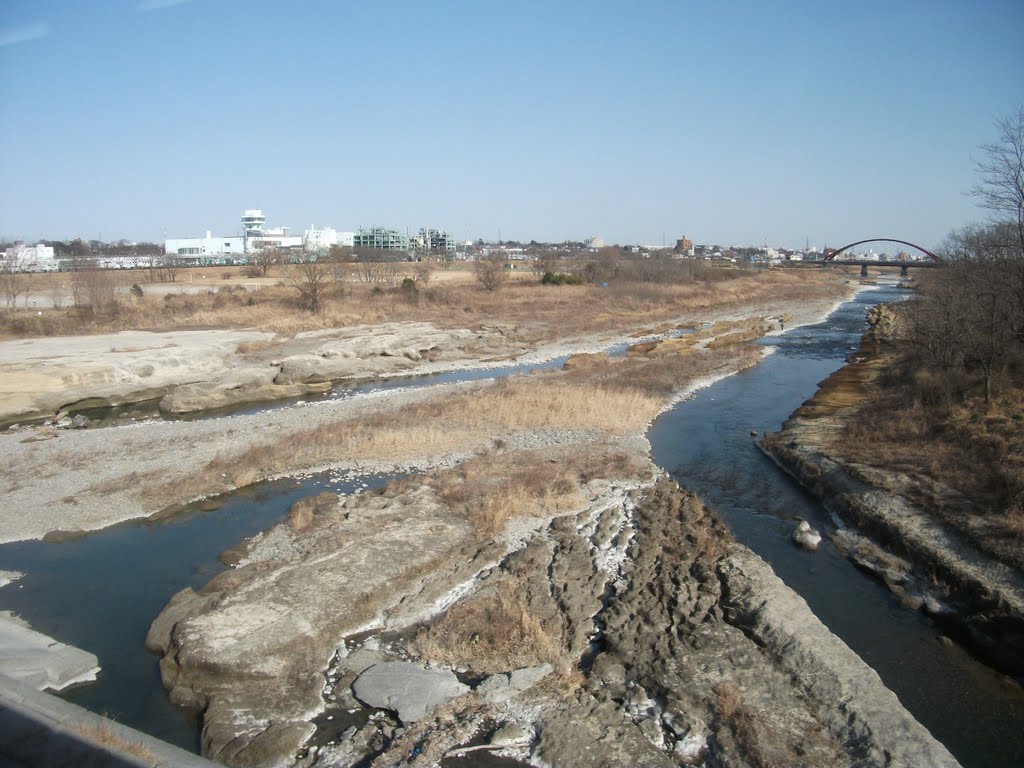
188 371
927 564
630 630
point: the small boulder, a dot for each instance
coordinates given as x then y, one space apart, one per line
692 748
526 677
409 689
512 734
79 421
806 537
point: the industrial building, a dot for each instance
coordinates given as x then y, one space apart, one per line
255 235
437 241
323 239
380 239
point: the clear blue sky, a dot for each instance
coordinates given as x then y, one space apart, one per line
730 122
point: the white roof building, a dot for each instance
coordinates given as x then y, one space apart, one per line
30 258
254 235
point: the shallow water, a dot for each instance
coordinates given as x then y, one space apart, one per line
102 591
705 443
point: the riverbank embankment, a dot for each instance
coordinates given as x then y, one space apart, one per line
882 524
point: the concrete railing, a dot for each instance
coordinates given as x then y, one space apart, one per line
37 729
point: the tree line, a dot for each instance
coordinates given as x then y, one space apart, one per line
967 322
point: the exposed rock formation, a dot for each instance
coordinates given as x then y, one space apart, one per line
42 376
410 690
200 370
655 639
363 352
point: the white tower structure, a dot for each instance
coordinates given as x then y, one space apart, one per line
252 222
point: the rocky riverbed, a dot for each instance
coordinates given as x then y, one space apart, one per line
589 613
627 630
188 371
60 481
886 531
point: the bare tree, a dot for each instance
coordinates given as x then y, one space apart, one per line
1001 190
341 259
1001 168
421 273
544 262
490 270
311 277
169 268
14 281
264 259
94 288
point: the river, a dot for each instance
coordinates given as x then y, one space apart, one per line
705 443
101 592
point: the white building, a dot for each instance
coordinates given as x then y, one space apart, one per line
30 258
322 239
205 246
254 235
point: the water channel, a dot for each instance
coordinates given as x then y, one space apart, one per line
101 592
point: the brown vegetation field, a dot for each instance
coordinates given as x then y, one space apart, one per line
953 424
448 298
610 399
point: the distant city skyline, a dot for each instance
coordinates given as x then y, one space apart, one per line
738 124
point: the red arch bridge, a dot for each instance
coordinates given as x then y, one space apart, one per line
931 261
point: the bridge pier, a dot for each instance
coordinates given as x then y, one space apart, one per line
904 272
863 270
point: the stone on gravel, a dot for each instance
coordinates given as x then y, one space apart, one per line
409 689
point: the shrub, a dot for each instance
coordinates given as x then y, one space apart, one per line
136 290
561 278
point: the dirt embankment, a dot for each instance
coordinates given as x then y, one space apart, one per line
929 564
626 630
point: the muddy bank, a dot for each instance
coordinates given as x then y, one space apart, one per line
628 629
933 568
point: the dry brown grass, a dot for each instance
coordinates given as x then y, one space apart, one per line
104 734
493 631
498 486
118 484
661 376
424 430
976 451
762 746
551 310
